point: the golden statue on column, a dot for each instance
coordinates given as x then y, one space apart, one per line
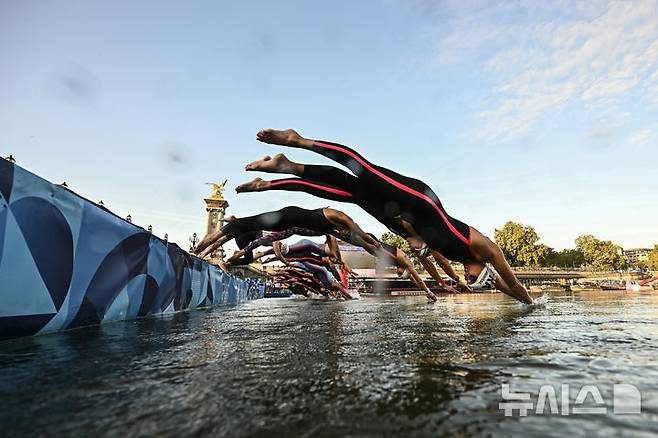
216 207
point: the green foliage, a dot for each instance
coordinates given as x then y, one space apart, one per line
519 244
602 254
567 258
652 262
400 242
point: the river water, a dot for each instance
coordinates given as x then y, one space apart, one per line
373 367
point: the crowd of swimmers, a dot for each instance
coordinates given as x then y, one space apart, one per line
406 206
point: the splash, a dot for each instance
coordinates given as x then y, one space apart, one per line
539 302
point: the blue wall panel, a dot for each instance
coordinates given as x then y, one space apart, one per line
66 262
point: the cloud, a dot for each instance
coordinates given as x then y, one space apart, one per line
542 56
643 136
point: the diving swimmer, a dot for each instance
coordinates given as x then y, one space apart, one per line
405 205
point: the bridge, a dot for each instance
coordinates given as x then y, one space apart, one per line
565 277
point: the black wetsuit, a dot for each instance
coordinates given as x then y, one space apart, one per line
243 240
303 251
268 239
387 196
281 220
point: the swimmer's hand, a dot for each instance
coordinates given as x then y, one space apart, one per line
431 298
463 287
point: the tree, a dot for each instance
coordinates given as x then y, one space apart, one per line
567 258
400 242
602 254
652 261
519 244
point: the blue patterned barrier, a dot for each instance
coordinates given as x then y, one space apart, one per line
66 262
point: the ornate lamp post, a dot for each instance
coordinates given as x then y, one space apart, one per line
193 241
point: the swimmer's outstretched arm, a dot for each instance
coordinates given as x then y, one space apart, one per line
489 252
402 260
207 240
332 245
416 242
211 242
211 246
236 255
327 263
355 235
448 269
276 246
431 269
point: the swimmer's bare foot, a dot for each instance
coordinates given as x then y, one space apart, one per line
276 164
222 265
255 185
289 137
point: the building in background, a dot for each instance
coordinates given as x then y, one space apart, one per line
637 255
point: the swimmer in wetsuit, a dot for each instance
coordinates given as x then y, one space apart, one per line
306 248
242 241
325 277
405 267
321 220
308 251
261 238
407 206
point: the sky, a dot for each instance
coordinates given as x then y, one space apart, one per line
543 113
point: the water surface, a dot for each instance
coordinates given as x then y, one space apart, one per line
292 367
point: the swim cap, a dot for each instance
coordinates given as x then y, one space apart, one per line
423 251
284 249
486 279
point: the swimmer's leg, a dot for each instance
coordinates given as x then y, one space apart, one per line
278 163
324 191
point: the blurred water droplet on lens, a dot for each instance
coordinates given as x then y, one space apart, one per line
175 156
271 218
77 85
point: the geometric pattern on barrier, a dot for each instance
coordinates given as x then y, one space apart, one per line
67 262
